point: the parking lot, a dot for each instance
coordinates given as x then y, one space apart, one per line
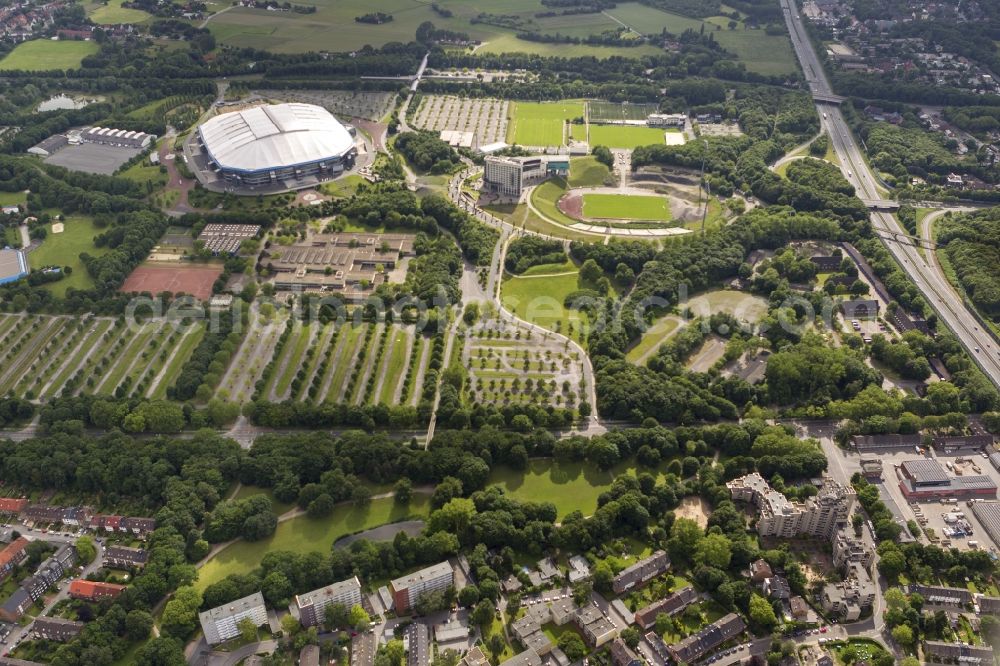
941 517
92 158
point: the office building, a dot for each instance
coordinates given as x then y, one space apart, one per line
222 622
508 176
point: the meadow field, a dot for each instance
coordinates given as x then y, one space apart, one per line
113 13
625 207
64 249
291 32
42 55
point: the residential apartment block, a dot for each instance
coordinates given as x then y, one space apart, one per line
312 605
675 603
641 572
694 646
407 590
221 623
818 517
93 590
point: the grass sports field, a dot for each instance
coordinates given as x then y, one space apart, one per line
113 13
541 124
625 136
63 249
625 207
44 55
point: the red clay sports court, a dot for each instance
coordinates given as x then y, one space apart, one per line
196 281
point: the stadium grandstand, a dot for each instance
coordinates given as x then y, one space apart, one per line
288 144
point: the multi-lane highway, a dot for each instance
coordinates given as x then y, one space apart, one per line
928 278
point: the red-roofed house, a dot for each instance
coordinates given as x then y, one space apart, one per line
93 591
13 555
11 505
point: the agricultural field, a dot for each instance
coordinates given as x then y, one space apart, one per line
112 12
43 55
64 249
510 365
45 357
541 123
371 105
486 117
628 137
625 207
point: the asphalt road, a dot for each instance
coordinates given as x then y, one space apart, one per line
928 278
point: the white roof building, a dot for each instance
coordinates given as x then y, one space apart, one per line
274 136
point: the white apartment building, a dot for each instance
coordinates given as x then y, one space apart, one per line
818 516
221 623
407 590
312 605
666 120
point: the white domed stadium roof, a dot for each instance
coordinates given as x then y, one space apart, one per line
275 136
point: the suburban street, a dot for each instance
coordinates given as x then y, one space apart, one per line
928 277
20 633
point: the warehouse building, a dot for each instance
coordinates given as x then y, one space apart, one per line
988 515
13 265
926 480
289 144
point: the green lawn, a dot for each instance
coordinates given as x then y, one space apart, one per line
539 300
113 13
570 486
546 196
625 207
653 337
246 492
12 198
625 136
505 42
303 535
187 346
587 172
540 123
522 217
394 365
44 54
64 249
